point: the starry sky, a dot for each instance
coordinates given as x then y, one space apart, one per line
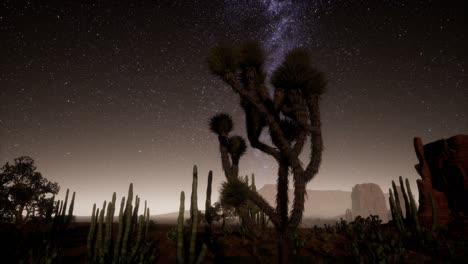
103 93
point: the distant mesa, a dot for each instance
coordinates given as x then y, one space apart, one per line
365 199
318 204
368 199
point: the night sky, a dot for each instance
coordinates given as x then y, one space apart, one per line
101 94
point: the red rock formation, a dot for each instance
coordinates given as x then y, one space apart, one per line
368 199
443 167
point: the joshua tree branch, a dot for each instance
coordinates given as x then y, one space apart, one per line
256 143
299 200
226 163
234 170
282 199
316 141
300 141
264 206
272 124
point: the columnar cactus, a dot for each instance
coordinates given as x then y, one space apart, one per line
118 242
193 256
208 207
252 186
130 245
259 218
411 219
61 218
180 230
70 209
58 221
396 214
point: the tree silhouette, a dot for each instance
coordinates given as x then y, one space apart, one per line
24 192
291 115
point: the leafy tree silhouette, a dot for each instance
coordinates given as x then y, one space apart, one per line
24 192
291 115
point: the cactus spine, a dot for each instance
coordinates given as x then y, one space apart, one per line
192 258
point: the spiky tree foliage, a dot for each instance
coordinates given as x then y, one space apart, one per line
223 61
292 117
221 124
236 148
251 55
298 73
234 192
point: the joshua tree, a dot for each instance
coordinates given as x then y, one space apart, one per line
291 116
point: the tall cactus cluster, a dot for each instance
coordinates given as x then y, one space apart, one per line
131 244
58 217
192 255
61 218
259 218
410 220
255 216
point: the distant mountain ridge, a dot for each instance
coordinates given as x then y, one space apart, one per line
319 204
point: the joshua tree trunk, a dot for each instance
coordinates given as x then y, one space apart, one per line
282 195
282 210
283 248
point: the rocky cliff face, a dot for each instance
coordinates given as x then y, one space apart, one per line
368 199
323 204
443 167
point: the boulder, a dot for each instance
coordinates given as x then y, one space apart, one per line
368 199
